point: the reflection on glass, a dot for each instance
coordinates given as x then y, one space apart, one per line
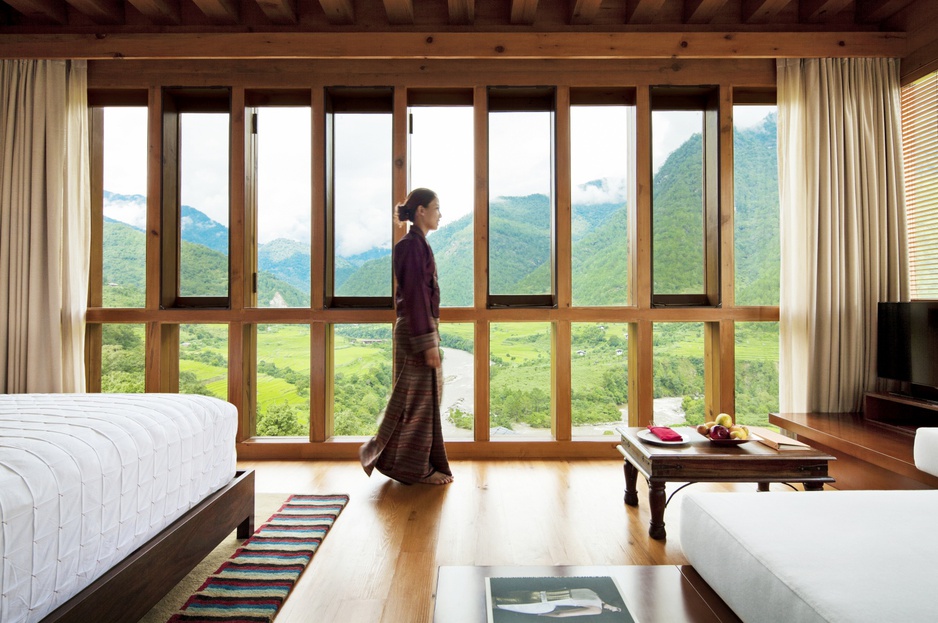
756 220
203 359
363 204
599 378
520 203
519 406
678 374
203 194
677 195
457 408
600 176
283 207
283 380
123 359
756 372
125 207
362 362
441 158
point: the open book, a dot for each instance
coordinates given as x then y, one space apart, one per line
777 441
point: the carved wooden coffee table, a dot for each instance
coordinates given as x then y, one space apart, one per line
698 460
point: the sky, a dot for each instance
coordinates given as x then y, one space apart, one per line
441 159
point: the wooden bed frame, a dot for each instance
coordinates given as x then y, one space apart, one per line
128 591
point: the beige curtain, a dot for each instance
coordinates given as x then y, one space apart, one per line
843 231
45 200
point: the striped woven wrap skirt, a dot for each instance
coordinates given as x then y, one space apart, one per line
409 444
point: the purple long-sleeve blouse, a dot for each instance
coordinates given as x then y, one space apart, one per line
417 297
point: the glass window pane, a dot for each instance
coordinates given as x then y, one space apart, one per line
458 404
601 176
125 207
756 372
599 383
283 380
677 195
203 195
123 359
678 373
756 220
362 363
203 359
283 207
520 201
363 205
441 158
519 387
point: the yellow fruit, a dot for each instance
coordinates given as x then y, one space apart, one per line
736 434
724 419
710 425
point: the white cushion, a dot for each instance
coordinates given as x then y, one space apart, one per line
926 450
838 556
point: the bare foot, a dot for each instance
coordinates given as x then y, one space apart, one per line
437 478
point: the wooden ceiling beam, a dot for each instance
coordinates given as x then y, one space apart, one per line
100 11
279 11
702 11
399 11
158 11
584 12
219 11
462 11
761 11
338 12
54 11
642 11
477 45
874 11
821 10
523 11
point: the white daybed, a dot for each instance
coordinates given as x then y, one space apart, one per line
104 499
844 556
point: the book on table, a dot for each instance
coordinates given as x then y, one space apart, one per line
777 441
518 599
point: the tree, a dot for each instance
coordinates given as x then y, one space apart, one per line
280 420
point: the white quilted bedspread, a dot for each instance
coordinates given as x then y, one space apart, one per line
85 479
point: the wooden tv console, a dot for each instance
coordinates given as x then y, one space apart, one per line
873 448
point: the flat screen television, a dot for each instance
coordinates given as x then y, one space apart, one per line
907 343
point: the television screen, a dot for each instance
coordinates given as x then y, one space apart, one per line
908 342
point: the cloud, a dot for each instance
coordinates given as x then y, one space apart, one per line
606 190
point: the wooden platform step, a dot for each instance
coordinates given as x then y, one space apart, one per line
869 456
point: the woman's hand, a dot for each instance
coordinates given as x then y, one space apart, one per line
432 357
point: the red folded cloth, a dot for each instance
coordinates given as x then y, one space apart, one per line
664 433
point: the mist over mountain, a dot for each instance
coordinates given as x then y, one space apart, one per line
519 240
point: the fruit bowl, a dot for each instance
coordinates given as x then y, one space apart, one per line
728 442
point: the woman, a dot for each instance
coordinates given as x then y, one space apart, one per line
409 444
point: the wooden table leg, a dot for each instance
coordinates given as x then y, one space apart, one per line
656 500
813 486
762 486
631 478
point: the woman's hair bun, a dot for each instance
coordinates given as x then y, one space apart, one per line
407 209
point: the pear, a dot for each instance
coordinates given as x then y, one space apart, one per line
724 419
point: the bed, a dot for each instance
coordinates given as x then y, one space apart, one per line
106 501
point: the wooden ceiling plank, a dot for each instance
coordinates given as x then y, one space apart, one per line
279 11
221 11
821 10
100 11
399 11
873 11
158 11
761 10
584 12
702 11
642 11
523 11
459 45
338 12
42 10
462 11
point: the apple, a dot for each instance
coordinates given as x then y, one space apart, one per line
719 432
724 419
702 429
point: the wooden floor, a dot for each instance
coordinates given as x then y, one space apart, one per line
379 562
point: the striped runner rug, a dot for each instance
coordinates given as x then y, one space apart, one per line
251 586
